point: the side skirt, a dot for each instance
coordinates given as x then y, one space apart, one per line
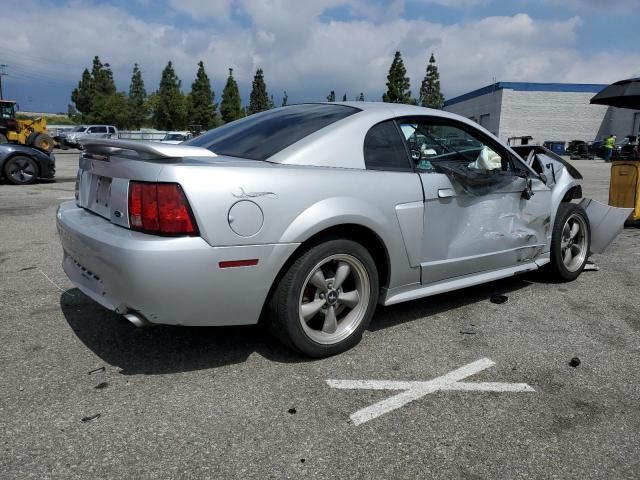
412 292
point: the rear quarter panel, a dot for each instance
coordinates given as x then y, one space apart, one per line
298 201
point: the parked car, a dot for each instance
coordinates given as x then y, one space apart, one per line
310 215
84 132
22 165
176 137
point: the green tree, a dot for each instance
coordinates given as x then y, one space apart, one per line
230 107
331 97
93 89
169 110
360 98
82 94
113 110
201 104
102 77
259 98
285 99
137 101
397 83
430 94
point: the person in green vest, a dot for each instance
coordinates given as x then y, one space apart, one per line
608 147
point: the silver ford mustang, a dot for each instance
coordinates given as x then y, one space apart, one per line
308 216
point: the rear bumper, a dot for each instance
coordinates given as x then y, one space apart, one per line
174 281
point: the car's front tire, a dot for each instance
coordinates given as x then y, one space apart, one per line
325 299
20 170
570 242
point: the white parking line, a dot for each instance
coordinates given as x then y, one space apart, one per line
415 390
66 198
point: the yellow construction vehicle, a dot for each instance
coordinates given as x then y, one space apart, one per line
32 133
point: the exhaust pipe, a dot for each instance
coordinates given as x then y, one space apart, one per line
137 319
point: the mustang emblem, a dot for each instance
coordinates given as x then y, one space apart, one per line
244 194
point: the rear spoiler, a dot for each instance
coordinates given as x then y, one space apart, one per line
104 147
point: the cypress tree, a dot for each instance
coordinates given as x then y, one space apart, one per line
285 99
397 82
200 104
170 109
137 101
331 97
102 76
230 107
82 95
259 98
430 94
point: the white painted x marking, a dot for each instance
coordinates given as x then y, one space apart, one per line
414 390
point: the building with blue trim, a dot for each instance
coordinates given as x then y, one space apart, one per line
545 111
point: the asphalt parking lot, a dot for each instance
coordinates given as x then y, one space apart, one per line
84 394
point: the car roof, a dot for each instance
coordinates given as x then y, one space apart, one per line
334 145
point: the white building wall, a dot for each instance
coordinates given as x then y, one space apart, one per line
546 116
477 108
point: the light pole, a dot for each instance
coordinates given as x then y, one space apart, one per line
3 73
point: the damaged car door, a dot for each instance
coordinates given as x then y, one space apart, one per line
484 209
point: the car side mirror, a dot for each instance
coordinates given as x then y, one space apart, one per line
416 155
527 193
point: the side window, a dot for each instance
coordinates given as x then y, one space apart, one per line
91 130
384 150
432 142
99 129
112 129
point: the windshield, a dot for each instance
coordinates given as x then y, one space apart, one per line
79 129
261 136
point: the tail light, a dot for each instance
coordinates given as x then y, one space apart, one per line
160 208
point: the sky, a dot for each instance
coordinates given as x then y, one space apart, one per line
309 47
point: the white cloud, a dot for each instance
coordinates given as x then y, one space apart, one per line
299 52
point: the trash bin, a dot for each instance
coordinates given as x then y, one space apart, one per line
624 187
556 147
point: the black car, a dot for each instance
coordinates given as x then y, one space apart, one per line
22 165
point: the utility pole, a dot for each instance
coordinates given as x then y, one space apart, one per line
3 73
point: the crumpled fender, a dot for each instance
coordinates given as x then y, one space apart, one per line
605 223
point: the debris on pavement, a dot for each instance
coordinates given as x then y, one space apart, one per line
88 419
575 361
96 370
498 299
101 385
591 267
292 411
469 330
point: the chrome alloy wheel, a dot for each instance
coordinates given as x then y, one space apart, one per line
334 298
573 243
22 170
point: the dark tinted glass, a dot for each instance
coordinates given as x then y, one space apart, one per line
384 149
261 136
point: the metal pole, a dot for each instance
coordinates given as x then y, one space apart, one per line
2 74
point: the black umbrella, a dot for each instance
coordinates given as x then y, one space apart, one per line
622 94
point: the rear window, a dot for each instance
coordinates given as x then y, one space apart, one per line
261 136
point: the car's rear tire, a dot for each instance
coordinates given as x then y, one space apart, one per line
326 298
570 242
20 170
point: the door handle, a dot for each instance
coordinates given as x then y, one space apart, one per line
445 192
